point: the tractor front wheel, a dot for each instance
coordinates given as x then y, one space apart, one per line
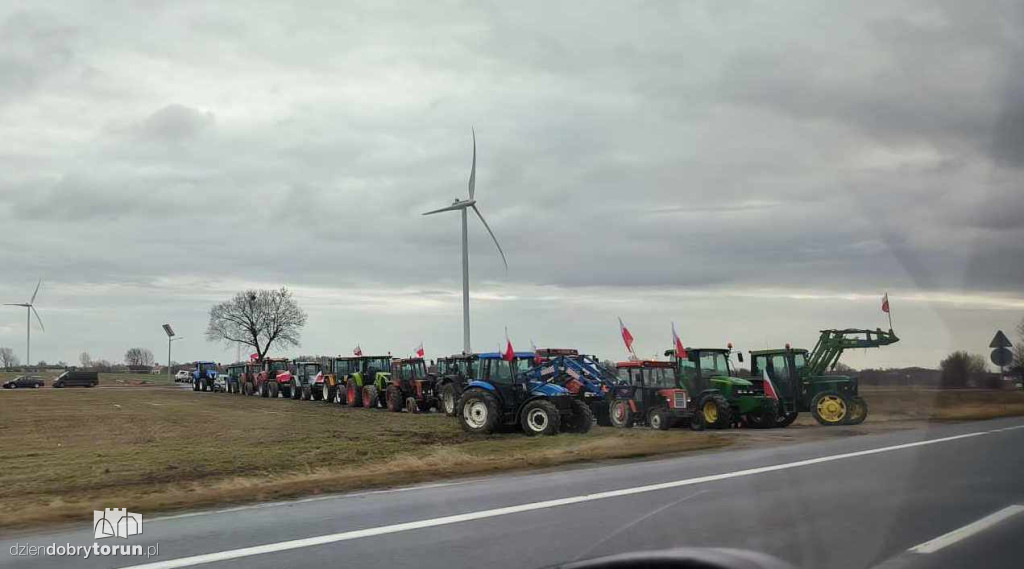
786 419
580 421
478 411
370 396
620 413
715 412
858 411
273 390
394 398
411 405
195 386
448 399
830 408
540 417
658 419
766 417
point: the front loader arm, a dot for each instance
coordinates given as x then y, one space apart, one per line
832 343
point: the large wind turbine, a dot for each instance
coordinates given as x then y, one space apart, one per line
29 310
463 205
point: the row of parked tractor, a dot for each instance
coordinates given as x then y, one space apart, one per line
548 391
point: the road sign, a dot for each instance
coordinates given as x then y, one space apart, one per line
1002 357
1000 341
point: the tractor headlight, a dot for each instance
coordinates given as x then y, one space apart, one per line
587 394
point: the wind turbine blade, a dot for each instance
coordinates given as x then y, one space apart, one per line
472 172
455 207
33 308
484 221
22 304
36 292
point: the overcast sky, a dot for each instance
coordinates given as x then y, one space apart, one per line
753 171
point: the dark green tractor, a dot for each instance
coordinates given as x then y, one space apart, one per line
722 400
800 379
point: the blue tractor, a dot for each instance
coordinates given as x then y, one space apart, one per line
582 375
203 376
502 396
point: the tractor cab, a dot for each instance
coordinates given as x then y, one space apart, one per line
412 387
508 379
648 392
784 368
709 368
308 376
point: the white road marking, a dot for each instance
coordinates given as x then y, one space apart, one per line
967 531
470 516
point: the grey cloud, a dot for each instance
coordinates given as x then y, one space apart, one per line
175 123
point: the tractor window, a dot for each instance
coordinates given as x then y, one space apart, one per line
207 367
500 371
278 366
522 365
713 363
780 367
688 369
799 361
378 364
659 377
758 363
416 370
469 368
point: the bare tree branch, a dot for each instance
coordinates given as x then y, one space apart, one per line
258 319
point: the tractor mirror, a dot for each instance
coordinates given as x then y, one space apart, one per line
739 356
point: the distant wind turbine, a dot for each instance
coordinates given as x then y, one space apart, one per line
463 205
29 310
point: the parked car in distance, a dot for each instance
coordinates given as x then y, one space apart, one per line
182 375
23 381
77 379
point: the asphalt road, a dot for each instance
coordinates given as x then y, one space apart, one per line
861 501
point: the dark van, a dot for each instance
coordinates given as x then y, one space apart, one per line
77 379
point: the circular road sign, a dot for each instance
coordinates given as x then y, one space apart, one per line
1002 357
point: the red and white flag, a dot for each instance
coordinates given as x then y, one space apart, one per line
536 356
885 303
769 387
627 338
509 354
254 357
419 350
357 351
677 343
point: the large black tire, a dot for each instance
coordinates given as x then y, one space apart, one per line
339 394
274 389
393 397
478 411
540 417
285 390
620 413
307 393
581 420
858 411
659 419
830 408
195 386
448 403
715 411
371 399
353 395
766 417
602 414
786 419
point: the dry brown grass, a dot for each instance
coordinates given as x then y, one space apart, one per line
66 452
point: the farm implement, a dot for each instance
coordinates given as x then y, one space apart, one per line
649 393
582 375
501 396
801 380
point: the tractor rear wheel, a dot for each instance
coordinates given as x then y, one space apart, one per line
540 417
353 394
620 413
370 397
715 412
830 408
448 399
411 405
394 398
273 390
786 419
478 411
658 419
195 386
581 420
858 411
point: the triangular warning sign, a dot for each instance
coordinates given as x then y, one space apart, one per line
1000 341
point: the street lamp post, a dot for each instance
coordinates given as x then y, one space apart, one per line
170 338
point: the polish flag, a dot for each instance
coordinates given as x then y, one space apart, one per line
626 336
254 357
885 303
358 352
419 350
509 354
769 387
680 350
536 356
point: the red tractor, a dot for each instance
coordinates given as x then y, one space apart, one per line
649 394
275 377
411 387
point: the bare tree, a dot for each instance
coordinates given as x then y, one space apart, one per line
258 319
85 359
961 368
7 358
138 357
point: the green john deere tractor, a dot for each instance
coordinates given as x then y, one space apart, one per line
722 400
800 380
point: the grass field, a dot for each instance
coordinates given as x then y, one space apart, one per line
158 448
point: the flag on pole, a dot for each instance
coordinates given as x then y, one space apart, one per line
357 351
769 387
536 356
677 343
885 303
419 350
509 354
627 338
254 357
